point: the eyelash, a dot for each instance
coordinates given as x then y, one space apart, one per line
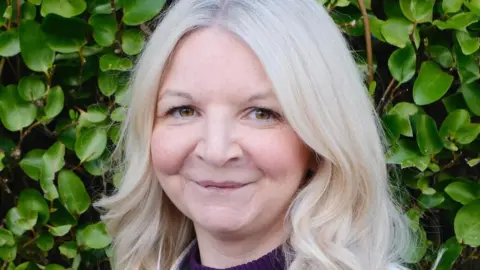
276 116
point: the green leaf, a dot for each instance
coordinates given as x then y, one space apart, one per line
467 43
118 114
44 241
108 82
467 66
8 253
32 163
406 153
30 202
395 126
441 55
91 143
64 8
102 6
97 113
419 247
31 88
112 62
59 230
140 11
6 238
96 236
53 160
55 102
459 21
95 167
68 249
49 188
431 84
376 27
132 41
28 11
431 201
60 36
450 251
15 113
9 43
428 140
471 94
452 6
454 121
114 133
35 52
11 220
67 134
467 224
402 63
35 2
473 6
73 193
454 102
396 31
463 192
417 11
104 29
468 133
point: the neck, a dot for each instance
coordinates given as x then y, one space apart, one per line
228 250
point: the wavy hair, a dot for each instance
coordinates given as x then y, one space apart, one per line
344 217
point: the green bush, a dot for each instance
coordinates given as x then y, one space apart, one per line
64 67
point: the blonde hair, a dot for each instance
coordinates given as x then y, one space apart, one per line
344 218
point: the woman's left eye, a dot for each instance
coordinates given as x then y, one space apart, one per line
264 114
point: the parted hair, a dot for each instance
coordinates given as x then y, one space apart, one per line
345 217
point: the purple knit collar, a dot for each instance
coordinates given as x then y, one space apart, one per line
271 261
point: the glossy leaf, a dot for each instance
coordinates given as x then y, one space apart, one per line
402 63
9 43
8 253
34 48
73 193
454 102
132 41
68 249
396 31
118 114
104 29
467 224
15 113
459 21
467 67
441 55
431 84
31 88
91 143
431 201
406 153
31 202
417 11
6 238
471 94
454 121
54 267
97 113
463 192
450 250
468 133
113 62
32 163
96 236
452 6
428 139
60 230
45 241
53 160
60 36
64 8
11 220
140 11
55 102
467 43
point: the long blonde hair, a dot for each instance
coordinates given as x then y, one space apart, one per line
344 218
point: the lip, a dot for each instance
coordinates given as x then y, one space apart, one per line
226 185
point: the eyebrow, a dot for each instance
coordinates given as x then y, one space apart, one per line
176 93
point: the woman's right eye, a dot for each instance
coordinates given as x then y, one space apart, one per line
181 112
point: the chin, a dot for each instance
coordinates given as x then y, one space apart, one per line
220 220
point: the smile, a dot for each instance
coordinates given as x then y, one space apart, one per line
221 185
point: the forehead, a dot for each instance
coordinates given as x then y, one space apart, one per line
213 61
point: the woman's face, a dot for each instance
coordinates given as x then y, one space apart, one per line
220 148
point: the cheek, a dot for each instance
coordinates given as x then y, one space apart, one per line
280 154
168 149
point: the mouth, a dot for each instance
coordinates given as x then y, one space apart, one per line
221 185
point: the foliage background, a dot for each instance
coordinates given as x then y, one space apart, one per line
64 65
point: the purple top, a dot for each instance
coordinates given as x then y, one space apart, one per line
271 261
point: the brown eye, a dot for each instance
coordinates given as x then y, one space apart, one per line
186 112
262 114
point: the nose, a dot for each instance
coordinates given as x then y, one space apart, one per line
217 145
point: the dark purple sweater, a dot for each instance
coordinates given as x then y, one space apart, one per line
271 261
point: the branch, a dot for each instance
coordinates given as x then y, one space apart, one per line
385 95
368 40
18 12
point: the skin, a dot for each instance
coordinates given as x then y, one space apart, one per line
218 120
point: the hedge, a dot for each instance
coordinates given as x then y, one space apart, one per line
64 67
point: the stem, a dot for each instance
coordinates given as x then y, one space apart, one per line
18 12
112 3
2 63
368 40
9 23
31 240
389 89
24 134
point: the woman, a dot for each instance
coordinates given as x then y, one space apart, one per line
251 143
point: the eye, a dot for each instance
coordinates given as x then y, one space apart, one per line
264 114
181 111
